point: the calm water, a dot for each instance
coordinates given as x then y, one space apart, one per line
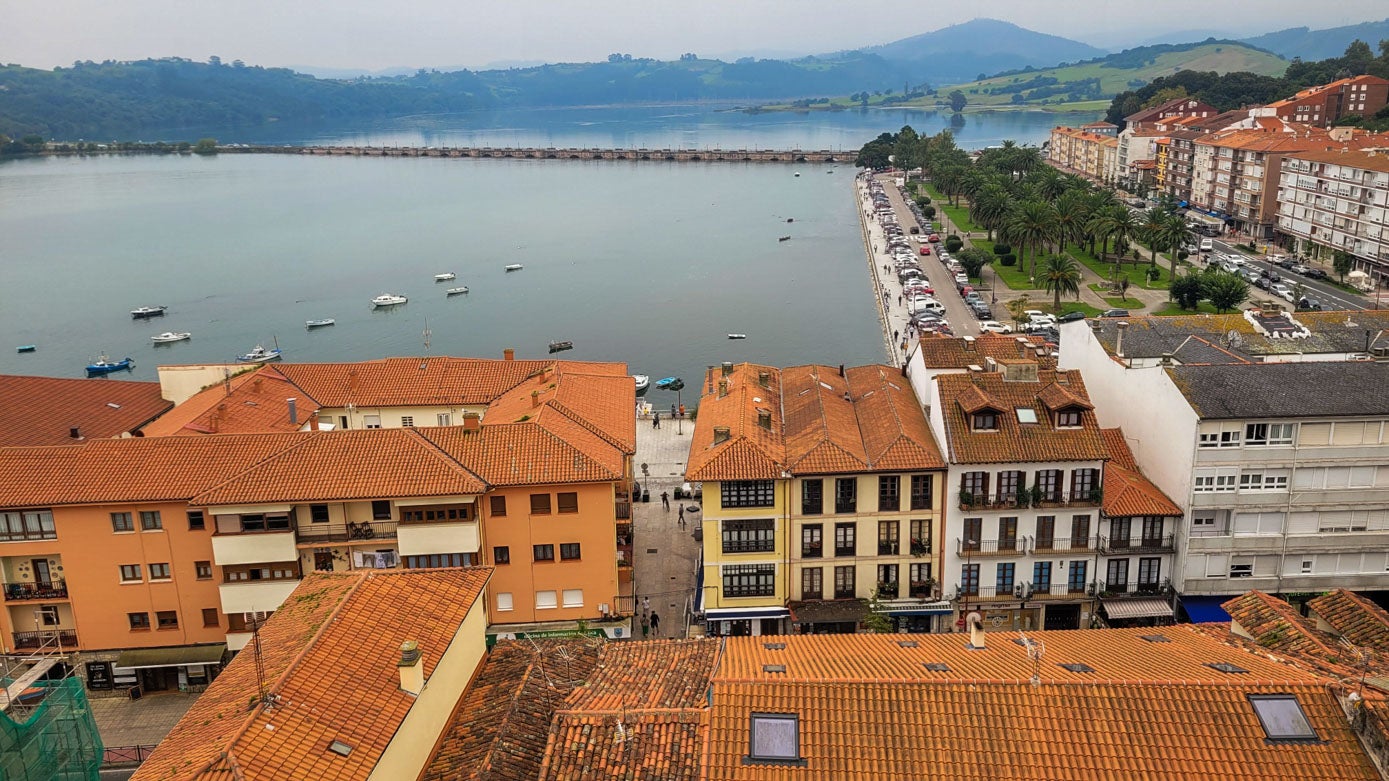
648 263
654 127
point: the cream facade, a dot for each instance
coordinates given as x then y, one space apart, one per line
1338 202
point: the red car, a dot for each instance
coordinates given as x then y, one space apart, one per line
926 249
934 238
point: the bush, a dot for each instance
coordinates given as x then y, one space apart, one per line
953 244
1002 249
930 212
1153 274
1188 292
1009 260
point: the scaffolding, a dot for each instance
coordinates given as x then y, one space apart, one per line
47 731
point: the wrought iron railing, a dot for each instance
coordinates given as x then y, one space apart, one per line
56 589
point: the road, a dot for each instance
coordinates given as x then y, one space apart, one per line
1330 296
960 316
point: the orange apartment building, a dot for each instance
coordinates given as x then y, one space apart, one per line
180 543
1083 152
1324 104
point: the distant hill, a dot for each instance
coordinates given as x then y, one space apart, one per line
1320 44
963 51
1107 76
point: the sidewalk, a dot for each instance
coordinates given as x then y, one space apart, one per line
664 555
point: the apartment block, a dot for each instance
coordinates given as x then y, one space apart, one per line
1279 466
1150 118
821 491
1324 104
1084 151
1338 201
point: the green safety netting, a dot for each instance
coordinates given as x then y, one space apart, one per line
55 740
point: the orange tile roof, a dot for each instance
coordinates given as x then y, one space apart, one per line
1016 442
524 454
822 422
605 404
1274 624
195 415
1360 621
131 470
498 732
1367 161
329 658
403 382
1127 492
331 466
44 410
948 352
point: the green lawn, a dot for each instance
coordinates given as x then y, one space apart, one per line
1170 309
1044 303
1015 277
959 215
1135 272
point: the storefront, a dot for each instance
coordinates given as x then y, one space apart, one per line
180 668
828 617
744 622
1122 612
920 617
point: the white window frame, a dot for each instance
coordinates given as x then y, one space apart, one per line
371 421
572 597
1221 435
546 600
407 421
504 602
443 419
1215 481
1263 480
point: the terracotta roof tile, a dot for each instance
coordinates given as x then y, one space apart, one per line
896 434
257 403
649 747
44 410
1127 492
1274 624
946 352
403 382
329 657
1016 442
1354 617
520 454
751 451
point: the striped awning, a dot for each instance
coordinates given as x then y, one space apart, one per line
1145 607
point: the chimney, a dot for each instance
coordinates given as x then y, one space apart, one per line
727 367
1167 359
969 344
411 667
535 398
764 378
75 433
508 354
709 380
313 422
723 388
471 421
841 370
720 434
1119 342
293 412
255 384
976 631
352 379
764 418
990 364
544 374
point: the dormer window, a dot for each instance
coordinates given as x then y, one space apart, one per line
985 420
1068 418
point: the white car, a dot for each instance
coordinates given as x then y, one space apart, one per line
1207 245
1282 290
926 305
995 327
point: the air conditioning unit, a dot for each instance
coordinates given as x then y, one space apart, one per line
603 609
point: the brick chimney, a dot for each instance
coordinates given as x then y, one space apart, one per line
411 668
471 421
535 398
508 354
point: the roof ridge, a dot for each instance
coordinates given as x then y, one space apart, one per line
434 446
584 422
307 436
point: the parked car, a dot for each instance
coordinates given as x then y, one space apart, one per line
925 249
1263 283
1315 273
934 238
1115 313
1071 317
982 311
961 278
1309 303
1207 245
1299 268
995 327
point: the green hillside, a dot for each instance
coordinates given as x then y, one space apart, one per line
1111 75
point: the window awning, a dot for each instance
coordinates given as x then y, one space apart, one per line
179 656
1146 607
743 613
1206 610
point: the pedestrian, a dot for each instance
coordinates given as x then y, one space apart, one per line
656 421
672 409
895 336
645 627
645 606
899 299
655 624
681 516
665 500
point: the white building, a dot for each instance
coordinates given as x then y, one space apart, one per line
1338 200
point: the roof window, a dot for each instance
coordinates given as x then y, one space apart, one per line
1026 415
1282 718
775 739
774 646
907 643
985 420
340 748
938 667
1226 667
1156 638
773 668
1078 667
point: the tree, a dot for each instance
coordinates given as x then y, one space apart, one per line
1033 225
1342 263
1188 291
958 101
1225 291
1124 283
1061 274
1174 235
973 260
205 146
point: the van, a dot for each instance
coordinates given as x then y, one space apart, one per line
1207 245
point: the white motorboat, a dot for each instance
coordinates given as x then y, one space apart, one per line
643 382
319 323
142 312
514 267
737 336
170 336
456 291
260 355
388 299
445 277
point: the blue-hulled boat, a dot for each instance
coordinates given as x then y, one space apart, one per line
104 365
670 383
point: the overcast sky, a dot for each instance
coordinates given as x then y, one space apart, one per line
416 33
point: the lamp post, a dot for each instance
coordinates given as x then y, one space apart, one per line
964 590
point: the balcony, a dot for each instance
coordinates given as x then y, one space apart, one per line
1164 544
1137 589
18 535
252 596
921 589
434 537
624 511
811 550
1053 544
366 531
1029 497
845 506
845 550
985 594
889 548
66 637
1004 547
18 592
253 547
889 590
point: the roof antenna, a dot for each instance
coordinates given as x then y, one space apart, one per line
1036 649
427 333
260 660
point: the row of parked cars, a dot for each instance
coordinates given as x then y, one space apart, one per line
1272 281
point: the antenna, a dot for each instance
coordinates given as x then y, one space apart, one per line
1036 649
427 333
260 660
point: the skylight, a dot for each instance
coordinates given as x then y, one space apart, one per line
1156 638
1282 717
938 667
1078 667
1026 414
340 748
775 738
773 668
1226 667
907 643
774 646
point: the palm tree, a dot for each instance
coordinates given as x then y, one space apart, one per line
1150 229
1032 225
1175 234
1071 214
1122 227
1061 274
990 207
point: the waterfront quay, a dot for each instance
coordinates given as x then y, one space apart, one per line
562 153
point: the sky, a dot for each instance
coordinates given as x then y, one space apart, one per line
352 34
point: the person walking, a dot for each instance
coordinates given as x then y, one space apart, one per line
645 627
665 500
655 624
645 606
681 516
656 420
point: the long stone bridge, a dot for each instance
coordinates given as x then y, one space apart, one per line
571 153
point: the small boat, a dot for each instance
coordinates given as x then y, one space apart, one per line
104 365
388 299
142 312
560 346
798 173
319 323
456 291
28 348
446 276
784 238
260 355
737 336
790 219
514 267
643 382
669 383
170 336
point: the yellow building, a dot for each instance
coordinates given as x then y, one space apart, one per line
821 491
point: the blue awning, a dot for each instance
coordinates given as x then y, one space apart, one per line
1206 610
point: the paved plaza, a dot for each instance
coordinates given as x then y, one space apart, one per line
665 554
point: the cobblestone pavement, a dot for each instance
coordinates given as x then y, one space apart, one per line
143 722
664 555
